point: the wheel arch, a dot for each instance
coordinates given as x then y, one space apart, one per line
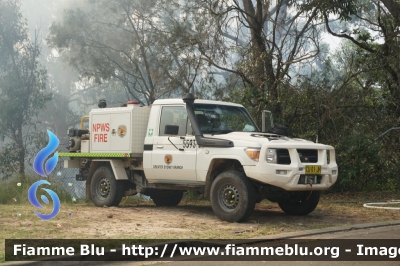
117 166
217 166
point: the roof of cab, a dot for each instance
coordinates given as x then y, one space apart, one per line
180 101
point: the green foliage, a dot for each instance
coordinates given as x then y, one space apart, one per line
15 190
362 167
156 49
9 159
259 44
22 83
344 9
57 117
129 42
345 107
191 196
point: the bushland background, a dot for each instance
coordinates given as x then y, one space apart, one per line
328 70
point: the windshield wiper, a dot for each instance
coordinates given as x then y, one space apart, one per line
223 131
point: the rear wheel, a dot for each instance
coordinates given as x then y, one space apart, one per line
232 196
300 203
167 198
105 190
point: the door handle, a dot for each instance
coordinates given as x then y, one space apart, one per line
160 147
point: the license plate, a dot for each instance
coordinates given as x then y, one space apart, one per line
313 169
311 179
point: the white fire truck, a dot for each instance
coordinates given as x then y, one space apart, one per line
212 147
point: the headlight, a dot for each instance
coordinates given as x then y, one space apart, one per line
271 156
253 154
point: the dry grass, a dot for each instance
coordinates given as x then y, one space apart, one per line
191 219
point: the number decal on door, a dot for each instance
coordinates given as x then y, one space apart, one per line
189 143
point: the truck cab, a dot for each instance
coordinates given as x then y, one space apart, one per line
207 146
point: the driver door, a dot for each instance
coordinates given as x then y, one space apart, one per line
174 156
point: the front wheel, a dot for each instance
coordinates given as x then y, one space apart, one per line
300 203
232 196
105 190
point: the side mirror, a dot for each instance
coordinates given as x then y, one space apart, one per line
171 130
267 121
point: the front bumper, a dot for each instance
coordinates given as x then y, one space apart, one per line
266 173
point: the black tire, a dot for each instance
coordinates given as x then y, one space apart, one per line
300 203
232 196
167 198
105 190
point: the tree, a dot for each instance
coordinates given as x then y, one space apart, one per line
373 28
268 44
128 41
22 86
355 97
336 107
394 8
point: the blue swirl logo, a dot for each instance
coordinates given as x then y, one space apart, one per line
44 153
32 198
44 169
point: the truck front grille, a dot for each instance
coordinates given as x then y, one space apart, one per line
283 156
308 156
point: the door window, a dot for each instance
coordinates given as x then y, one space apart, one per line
175 115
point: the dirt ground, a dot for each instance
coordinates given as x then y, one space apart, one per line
191 219
194 220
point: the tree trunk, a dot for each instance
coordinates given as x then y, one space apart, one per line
21 152
265 87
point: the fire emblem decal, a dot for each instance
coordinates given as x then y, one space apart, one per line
122 131
168 159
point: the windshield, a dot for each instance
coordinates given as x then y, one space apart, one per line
221 119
